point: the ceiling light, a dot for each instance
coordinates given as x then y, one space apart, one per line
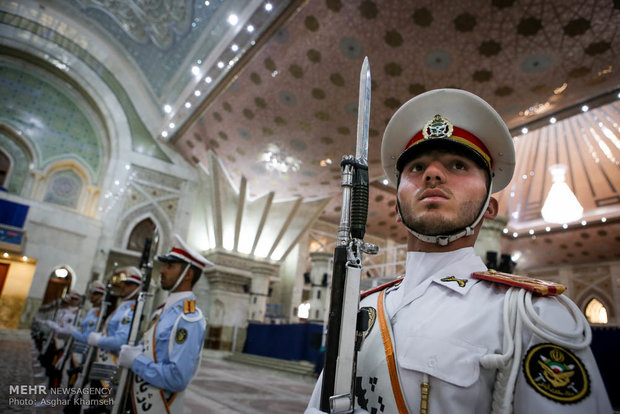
197 92
268 7
195 70
61 273
505 230
531 231
207 3
552 120
515 235
547 228
234 48
233 19
385 181
561 205
524 131
25 258
220 64
164 134
516 255
250 28
208 79
188 105
171 125
584 108
564 226
167 109
5 254
127 166
604 219
583 222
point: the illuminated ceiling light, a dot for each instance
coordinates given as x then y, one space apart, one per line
583 222
584 108
515 215
171 125
512 194
547 228
531 231
234 48
524 177
207 3
25 258
167 109
208 79
250 28
188 105
524 131
5 254
164 134
505 231
61 273
303 311
552 120
515 256
220 64
195 70
127 166
561 205
197 92
268 7
604 219
564 226
116 182
385 181
231 62
515 235
233 19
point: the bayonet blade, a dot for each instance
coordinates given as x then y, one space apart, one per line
363 114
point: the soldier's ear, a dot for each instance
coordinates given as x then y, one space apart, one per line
492 209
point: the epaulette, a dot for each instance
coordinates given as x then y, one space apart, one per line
541 287
381 287
189 306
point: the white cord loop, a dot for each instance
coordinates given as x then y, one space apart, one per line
519 311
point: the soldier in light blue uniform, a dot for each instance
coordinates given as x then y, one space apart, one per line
169 355
126 284
89 321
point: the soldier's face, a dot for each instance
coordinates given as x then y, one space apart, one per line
95 298
169 273
441 192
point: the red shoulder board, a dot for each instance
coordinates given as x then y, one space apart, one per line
542 287
189 306
381 287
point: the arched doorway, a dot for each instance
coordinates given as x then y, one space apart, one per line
58 283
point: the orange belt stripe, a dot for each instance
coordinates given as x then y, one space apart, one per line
389 356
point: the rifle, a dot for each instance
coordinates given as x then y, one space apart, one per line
343 337
91 354
146 266
67 349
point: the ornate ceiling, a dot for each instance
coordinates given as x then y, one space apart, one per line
278 105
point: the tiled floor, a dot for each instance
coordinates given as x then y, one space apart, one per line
220 386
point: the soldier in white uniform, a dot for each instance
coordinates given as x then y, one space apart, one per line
452 337
169 354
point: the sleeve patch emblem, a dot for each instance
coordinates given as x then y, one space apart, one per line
556 373
125 321
181 335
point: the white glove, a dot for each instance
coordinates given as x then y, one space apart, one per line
93 338
128 354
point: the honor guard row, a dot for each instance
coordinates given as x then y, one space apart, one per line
166 357
452 336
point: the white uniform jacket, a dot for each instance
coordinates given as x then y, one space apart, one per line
442 325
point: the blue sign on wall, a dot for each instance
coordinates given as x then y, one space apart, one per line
13 214
14 237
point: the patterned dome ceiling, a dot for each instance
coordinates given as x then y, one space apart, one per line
278 104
